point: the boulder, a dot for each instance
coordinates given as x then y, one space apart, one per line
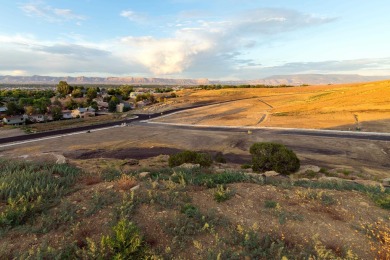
135 188
271 173
334 179
189 166
144 174
312 168
386 182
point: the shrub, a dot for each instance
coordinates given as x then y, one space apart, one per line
270 204
125 242
222 193
275 157
203 159
246 166
110 174
219 158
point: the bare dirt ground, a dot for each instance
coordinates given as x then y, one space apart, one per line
10 132
370 158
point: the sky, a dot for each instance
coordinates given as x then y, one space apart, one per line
214 39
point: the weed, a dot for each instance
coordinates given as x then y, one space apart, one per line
308 174
91 179
101 200
270 204
29 188
126 182
222 193
345 172
125 242
110 174
246 166
190 210
66 213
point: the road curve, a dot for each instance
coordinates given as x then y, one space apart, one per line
140 117
150 119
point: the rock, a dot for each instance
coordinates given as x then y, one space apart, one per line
335 179
135 188
189 166
367 183
60 159
144 174
271 173
220 170
110 187
311 168
386 182
364 204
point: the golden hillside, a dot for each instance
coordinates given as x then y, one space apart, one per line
332 106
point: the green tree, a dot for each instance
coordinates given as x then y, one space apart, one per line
30 110
76 93
275 157
115 99
91 93
112 106
63 88
56 111
94 105
13 109
125 91
41 104
71 104
56 102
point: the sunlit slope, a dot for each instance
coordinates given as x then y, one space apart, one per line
346 106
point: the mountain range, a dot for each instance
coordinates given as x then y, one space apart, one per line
300 79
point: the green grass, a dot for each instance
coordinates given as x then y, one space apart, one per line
28 188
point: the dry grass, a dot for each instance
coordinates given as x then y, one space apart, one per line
91 179
126 182
303 107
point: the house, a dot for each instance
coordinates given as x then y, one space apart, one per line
82 112
102 105
3 110
143 103
135 94
37 118
66 114
123 107
15 120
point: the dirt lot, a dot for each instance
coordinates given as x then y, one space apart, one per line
367 157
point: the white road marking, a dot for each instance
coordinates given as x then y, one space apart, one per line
56 136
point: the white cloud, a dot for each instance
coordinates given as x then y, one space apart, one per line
217 38
48 13
134 16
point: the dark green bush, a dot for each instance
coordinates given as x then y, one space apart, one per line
273 157
203 159
219 158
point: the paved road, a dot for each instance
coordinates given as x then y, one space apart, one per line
284 131
103 125
142 119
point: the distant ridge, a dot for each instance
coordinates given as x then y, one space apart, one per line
299 79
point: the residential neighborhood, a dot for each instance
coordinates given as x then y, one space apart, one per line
65 102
